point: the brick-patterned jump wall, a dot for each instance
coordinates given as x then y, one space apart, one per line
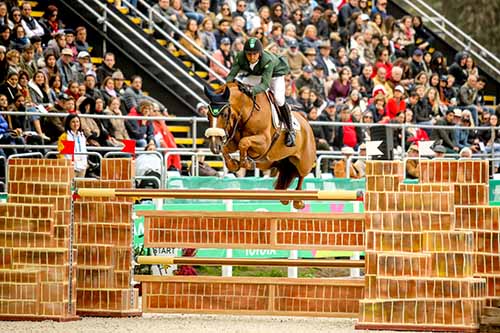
254 230
244 295
35 269
420 267
103 237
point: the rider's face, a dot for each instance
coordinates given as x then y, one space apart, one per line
252 57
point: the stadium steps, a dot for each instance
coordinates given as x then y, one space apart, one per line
189 141
179 129
32 3
96 60
162 42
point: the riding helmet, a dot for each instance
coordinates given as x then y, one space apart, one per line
253 45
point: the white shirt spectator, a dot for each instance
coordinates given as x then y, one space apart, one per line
30 25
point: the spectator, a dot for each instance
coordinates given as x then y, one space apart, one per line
5 36
65 67
468 95
378 109
95 133
423 38
73 90
317 20
201 109
380 8
141 131
222 31
380 81
50 68
27 62
16 16
4 17
55 86
106 69
347 11
56 45
19 41
465 153
83 66
108 90
50 22
30 25
365 81
446 137
204 10
119 81
439 152
223 56
236 30
224 14
192 36
162 11
412 169
462 134
307 79
133 94
297 19
39 90
458 69
310 38
73 132
346 135
115 126
91 89
54 126
207 35
9 87
470 66
165 139
341 87
340 168
70 38
396 104
81 39
296 60
9 135
277 14
330 114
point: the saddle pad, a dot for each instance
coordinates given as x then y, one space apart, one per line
276 119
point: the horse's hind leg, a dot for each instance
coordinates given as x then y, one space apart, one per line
299 204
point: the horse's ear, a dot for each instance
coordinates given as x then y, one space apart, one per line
226 94
208 92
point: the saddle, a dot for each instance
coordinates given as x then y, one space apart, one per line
276 114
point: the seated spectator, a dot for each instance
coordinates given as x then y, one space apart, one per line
54 126
55 86
330 114
5 32
17 18
365 81
167 13
462 134
207 34
39 91
341 87
412 169
468 95
446 137
296 60
222 31
94 131
108 90
360 164
56 45
378 109
458 69
22 86
30 25
90 87
396 104
142 131
27 62
4 16
225 14
70 38
340 168
404 37
193 36
115 126
19 40
81 39
50 22
380 80
307 79
439 152
223 56
8 135
83 66
165 139
346 135
465 153
106 69
73 132
65 67
9 87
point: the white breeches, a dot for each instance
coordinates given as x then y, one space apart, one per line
277 86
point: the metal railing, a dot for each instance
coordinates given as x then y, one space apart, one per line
108 12
438 22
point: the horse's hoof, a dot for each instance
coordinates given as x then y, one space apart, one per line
285 202
299 204
232 165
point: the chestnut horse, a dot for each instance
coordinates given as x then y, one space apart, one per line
240 122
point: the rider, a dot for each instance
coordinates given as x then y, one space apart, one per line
254 61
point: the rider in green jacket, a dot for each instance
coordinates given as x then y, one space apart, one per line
254 61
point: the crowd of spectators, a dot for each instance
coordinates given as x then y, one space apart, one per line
350 63
46 67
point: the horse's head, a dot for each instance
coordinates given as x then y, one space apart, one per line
226 109
219 117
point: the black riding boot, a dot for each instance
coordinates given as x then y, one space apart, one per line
286 116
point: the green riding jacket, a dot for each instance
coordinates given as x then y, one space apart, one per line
267 67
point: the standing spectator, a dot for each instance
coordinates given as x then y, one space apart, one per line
468 95
30 25
73 132
66 67
223 56
81 39
106 69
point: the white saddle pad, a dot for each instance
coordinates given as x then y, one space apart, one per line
276 120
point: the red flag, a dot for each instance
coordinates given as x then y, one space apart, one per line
68 147
129 146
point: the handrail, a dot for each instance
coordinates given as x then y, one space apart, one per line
494 68
177 43
145 54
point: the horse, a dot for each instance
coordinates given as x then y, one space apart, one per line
241 122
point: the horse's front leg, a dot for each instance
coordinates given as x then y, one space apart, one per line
257 143
231 164
299 204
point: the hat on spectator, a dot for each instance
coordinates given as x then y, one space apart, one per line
117 75
365 17
83 54
330 104
347 151
444 78
400 89
3 49
318 8
67 52
310 51
325 44
63 97
413 147
225 40
308 69
440 149
318 66
362 147
69 31
458 113
378 89
418 52
293 43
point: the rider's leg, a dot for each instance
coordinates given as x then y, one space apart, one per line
278 88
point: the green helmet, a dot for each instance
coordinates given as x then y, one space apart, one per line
253 45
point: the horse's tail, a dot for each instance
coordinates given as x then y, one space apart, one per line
286 175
